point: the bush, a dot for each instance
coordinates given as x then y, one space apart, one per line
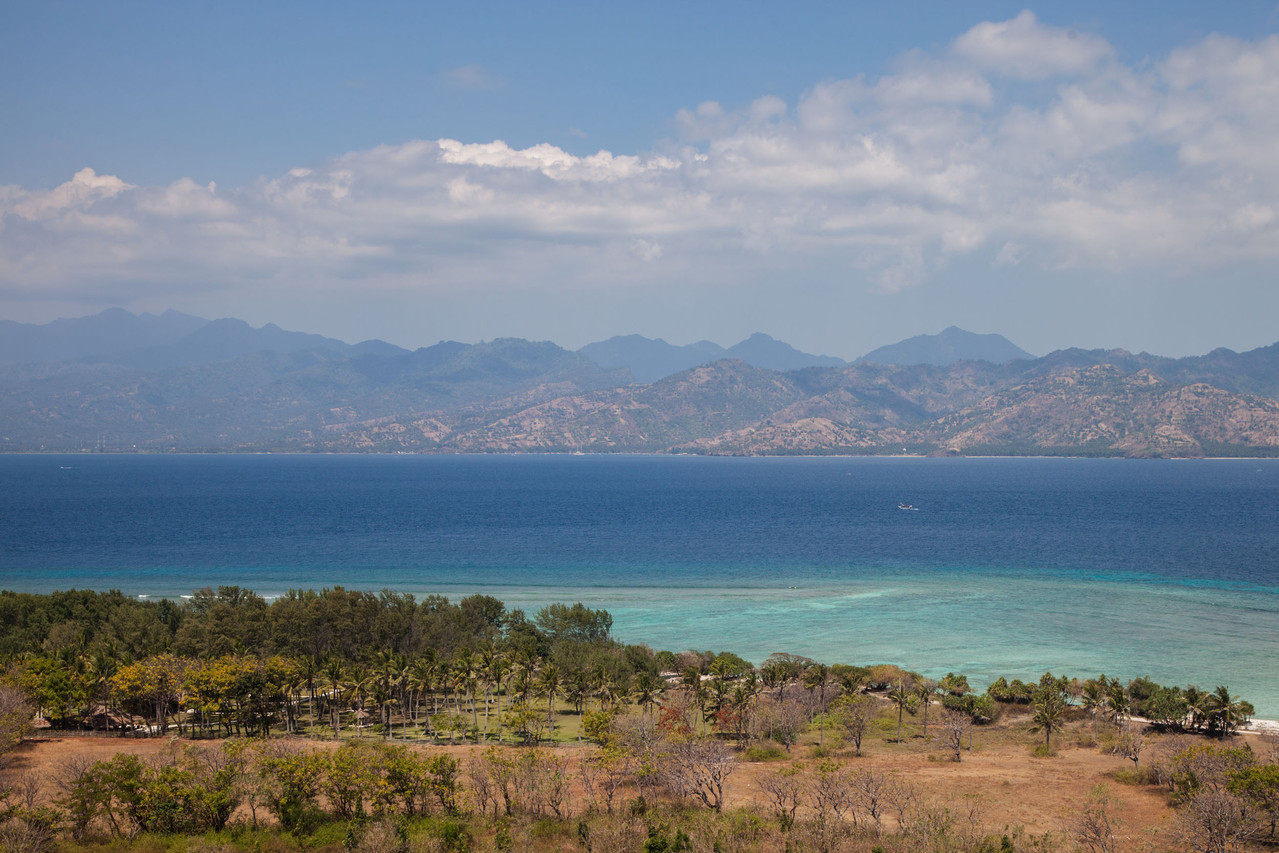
454 836
767 751
1132 777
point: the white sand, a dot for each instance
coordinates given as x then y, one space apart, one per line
1262 727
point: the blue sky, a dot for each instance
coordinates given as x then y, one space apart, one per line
837 175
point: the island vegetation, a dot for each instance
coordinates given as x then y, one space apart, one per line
348 720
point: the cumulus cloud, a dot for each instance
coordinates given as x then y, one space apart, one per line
76 196
1170 166
1024 48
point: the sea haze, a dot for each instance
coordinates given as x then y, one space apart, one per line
1005 567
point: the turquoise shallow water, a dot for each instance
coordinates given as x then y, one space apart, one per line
964 621
1009 566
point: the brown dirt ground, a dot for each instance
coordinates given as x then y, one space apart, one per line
1009 786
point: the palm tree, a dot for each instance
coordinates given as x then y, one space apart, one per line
902 695
335 678
774 677
816 677
1225 712
389 670
1117 699
1050 708
548 685
358 682
1093 699
98 674
577 687
719 689
466 673
309 670
421 676
294 683
750 690
1197 706
647 688
495 668
925 690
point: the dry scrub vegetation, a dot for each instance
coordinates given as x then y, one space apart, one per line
342 720
653 784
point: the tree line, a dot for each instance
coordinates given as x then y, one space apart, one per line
378 670
226 662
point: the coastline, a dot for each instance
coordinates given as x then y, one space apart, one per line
232 451
1264 728
1011 569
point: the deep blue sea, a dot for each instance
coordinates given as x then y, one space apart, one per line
1006 566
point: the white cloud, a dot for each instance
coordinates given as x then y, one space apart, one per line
1167 167
78 194
1024 48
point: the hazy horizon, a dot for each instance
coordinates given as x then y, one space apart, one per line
675 343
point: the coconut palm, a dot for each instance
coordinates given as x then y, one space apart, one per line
335 679
903 696
648 687
310 672
1197 706
359 680
925 690
773 674
1117 699
577 687
466 675
1093 698
1226 713
422 675
389 670
495 668
549 681
1049 717
817 678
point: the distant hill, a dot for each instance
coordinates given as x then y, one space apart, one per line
949 346
109 333
281 400
116 382
759 350
152 342
650 360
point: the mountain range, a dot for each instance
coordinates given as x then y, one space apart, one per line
172 382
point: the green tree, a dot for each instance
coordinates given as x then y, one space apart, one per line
817 678
903 696
1226 713
1093 700
1049 713
15 717
549 682
1259 784
578 622
648 688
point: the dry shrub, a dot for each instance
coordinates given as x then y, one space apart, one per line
382 836
1216 822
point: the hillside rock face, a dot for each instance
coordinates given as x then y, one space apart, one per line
1100 408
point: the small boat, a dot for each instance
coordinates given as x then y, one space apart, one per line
907 506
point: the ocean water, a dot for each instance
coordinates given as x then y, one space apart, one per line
1006 566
